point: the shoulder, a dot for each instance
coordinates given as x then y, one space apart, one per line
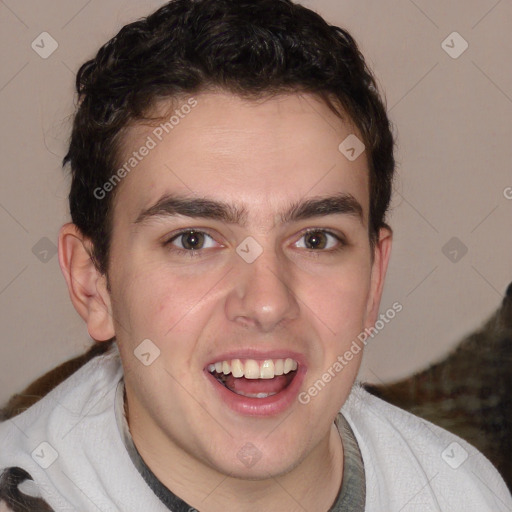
57 426
68 401
410 460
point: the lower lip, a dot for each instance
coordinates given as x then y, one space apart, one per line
270 406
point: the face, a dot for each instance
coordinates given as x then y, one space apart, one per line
240 249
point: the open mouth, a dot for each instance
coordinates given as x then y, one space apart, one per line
255 379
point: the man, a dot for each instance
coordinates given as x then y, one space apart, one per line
232 166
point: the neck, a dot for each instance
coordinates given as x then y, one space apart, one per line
313 484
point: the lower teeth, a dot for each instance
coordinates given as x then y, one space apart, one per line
248 395
222 379
257 395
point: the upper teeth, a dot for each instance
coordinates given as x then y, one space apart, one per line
252 369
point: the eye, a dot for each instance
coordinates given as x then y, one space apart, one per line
319 239
191 240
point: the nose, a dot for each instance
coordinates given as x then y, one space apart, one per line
262 296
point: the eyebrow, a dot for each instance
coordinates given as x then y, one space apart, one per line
172 205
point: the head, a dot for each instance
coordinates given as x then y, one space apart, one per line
242 108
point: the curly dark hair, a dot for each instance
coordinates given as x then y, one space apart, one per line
251 48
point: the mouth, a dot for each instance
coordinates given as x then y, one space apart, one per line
255 379
257 386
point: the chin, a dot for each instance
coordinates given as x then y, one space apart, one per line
259 459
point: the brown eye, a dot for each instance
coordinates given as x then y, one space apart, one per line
191 240
315 240
320 239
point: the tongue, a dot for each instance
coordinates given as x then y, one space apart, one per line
254 386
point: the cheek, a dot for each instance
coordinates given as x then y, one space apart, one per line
339 299
160 301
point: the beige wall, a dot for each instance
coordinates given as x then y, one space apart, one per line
452 118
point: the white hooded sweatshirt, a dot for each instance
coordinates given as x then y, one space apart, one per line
71 446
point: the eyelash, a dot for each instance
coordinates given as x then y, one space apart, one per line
197 253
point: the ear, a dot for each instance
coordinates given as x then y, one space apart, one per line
87 286
382 252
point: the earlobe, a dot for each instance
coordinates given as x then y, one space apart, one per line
87 286
382 253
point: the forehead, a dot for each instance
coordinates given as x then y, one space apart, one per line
260 154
